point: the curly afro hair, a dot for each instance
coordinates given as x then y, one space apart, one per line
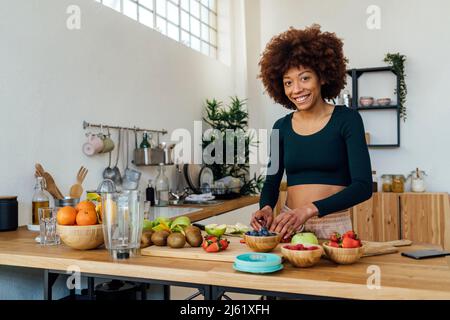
320 51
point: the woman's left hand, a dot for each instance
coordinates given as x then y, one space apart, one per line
290 221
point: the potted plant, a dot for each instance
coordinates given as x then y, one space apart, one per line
233 117
397 62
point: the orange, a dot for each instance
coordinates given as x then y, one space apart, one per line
66 216
86 217
85 205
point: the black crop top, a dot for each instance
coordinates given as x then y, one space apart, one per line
335 155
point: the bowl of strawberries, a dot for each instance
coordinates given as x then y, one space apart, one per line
344 249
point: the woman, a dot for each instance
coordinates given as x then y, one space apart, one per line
322 147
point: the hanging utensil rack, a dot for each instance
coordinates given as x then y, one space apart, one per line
105 126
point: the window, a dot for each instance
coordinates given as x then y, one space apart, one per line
191 22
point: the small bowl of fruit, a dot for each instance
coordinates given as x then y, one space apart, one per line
345 249
302 255
262 240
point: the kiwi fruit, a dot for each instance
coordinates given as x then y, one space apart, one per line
194 239
192 228
146 238
159 238
176 240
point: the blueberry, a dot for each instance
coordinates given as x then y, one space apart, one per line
264 229
254 233
264 233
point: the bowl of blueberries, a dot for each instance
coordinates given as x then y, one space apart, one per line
262 240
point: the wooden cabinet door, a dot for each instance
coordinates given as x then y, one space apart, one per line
425 217
377 219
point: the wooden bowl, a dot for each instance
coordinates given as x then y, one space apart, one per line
81 237
262 244
343 255
302 258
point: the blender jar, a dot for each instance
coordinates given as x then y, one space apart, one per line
122 223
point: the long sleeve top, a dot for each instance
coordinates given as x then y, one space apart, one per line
335 155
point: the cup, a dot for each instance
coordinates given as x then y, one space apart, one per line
88 149
47 224
96 141
108 144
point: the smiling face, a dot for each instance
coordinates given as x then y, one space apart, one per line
302 86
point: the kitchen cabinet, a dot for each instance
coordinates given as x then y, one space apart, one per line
420 217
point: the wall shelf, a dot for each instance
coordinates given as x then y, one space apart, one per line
355 74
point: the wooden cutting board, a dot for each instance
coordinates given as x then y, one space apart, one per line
236 248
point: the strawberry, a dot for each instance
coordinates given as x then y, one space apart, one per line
312 248
350 243
211 238
205 244
213 247
223 244
333 244
242 241
350 234
335 237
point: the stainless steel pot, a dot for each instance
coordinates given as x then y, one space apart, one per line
148 156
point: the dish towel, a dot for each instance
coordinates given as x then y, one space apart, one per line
200 197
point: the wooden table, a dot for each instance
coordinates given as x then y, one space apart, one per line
401 278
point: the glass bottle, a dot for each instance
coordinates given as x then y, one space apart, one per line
162 187
150 193
374 181
145 143
418 180
41 199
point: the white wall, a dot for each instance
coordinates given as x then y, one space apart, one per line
114 71
419 29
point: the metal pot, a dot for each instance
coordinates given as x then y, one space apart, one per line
148 156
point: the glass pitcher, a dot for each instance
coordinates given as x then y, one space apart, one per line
122 223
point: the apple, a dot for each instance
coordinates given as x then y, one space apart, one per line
215 229
304 238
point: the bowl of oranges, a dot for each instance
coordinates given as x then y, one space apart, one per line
80 227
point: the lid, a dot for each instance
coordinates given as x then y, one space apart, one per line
252 269
258 259
8 197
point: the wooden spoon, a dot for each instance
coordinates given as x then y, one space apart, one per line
51 185
76 190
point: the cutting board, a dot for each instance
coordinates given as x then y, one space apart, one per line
236 248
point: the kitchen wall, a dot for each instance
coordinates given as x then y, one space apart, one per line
416 28
113 70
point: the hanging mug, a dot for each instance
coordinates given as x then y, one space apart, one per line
108 144
96 141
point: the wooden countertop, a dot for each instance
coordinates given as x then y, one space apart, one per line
401 278
226 206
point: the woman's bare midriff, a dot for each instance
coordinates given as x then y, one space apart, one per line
300 195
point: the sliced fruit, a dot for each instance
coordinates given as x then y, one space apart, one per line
216 230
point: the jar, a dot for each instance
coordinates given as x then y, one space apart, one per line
398 183
386 180
417 180
374 181
9 214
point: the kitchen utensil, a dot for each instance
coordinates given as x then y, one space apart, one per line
76 190
343 255
81 237
262 244
115 176
96 141
206 178
302 258
51 185
384 101
108 173
122 223
108 143
131 177
67 201
106 186
192 176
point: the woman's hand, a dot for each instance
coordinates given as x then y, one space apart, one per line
262 218
290 221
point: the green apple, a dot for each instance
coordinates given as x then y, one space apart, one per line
215 229
305 238
148 225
